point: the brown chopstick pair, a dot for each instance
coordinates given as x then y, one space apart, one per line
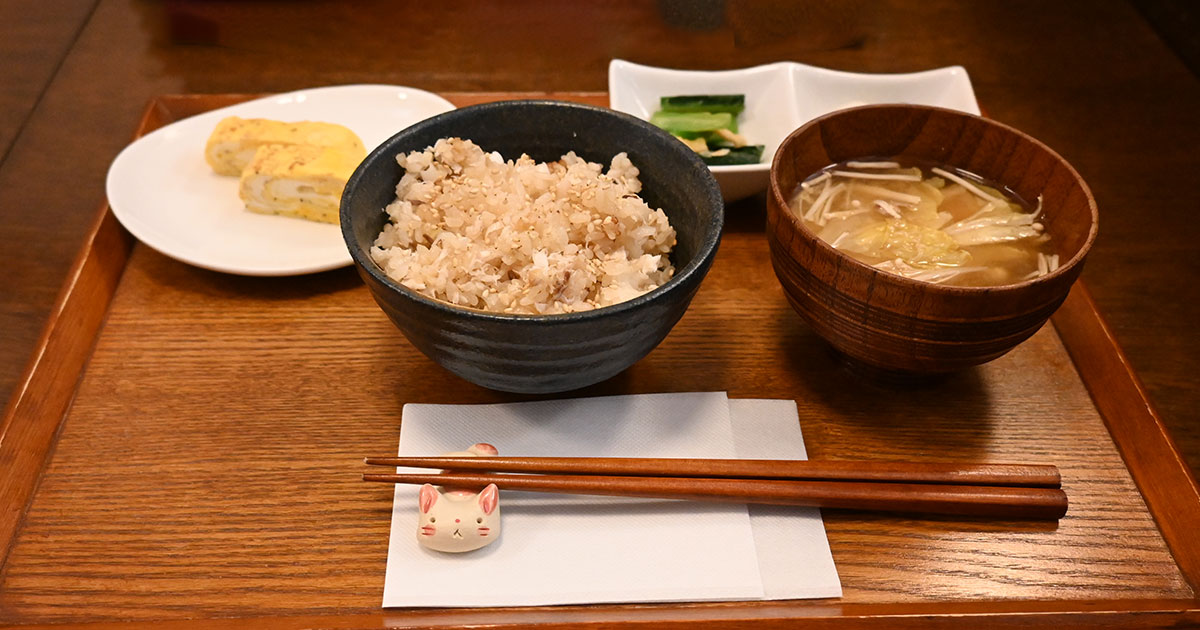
989 490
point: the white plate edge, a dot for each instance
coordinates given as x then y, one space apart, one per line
154 239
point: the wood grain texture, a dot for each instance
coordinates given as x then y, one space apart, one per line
221 529
193 363
32 417
1083 615
1122 113
918 500
767 615
34 38
893 472
1174 495
896 324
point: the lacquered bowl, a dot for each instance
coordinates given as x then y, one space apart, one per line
890 324
542 353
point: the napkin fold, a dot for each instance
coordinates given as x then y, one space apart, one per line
794 559
570 549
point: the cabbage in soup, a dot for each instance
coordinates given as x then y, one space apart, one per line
933 224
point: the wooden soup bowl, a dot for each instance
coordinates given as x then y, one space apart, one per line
887 323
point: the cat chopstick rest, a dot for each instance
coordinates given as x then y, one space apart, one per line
455 520
456 523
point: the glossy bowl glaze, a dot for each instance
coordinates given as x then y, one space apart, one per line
542 353
893 325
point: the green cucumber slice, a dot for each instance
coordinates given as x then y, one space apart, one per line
730 103
751 154
689 125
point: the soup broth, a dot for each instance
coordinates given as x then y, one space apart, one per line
933 224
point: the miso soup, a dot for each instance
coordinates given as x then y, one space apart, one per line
928 223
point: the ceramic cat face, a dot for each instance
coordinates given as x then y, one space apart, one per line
457 521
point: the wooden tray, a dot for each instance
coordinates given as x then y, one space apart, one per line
185 448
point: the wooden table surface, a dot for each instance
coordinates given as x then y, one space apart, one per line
1091 79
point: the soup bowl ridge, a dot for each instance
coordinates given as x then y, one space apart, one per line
542 353
885 322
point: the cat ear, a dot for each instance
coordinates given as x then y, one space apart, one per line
483 449
429 496
489 498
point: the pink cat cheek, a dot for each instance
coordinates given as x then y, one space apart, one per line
428 530
484 531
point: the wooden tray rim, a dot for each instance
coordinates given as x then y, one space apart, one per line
46 390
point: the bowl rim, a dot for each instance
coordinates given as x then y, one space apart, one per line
697 265
1066 268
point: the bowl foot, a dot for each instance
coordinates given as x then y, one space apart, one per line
886 377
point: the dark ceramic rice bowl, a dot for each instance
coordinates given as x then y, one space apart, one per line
542 353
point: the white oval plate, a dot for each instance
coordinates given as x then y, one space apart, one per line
165 194
780 97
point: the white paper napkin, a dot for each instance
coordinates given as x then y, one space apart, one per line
561 549
564 549
794 559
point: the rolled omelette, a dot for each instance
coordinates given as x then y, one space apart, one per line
234 141
303 181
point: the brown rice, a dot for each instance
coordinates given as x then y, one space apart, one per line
474 230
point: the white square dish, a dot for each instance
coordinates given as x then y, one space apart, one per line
780 97
771 112
819 91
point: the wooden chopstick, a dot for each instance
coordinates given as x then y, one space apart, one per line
990 501
1021 475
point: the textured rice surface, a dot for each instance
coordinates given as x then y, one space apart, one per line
472 229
